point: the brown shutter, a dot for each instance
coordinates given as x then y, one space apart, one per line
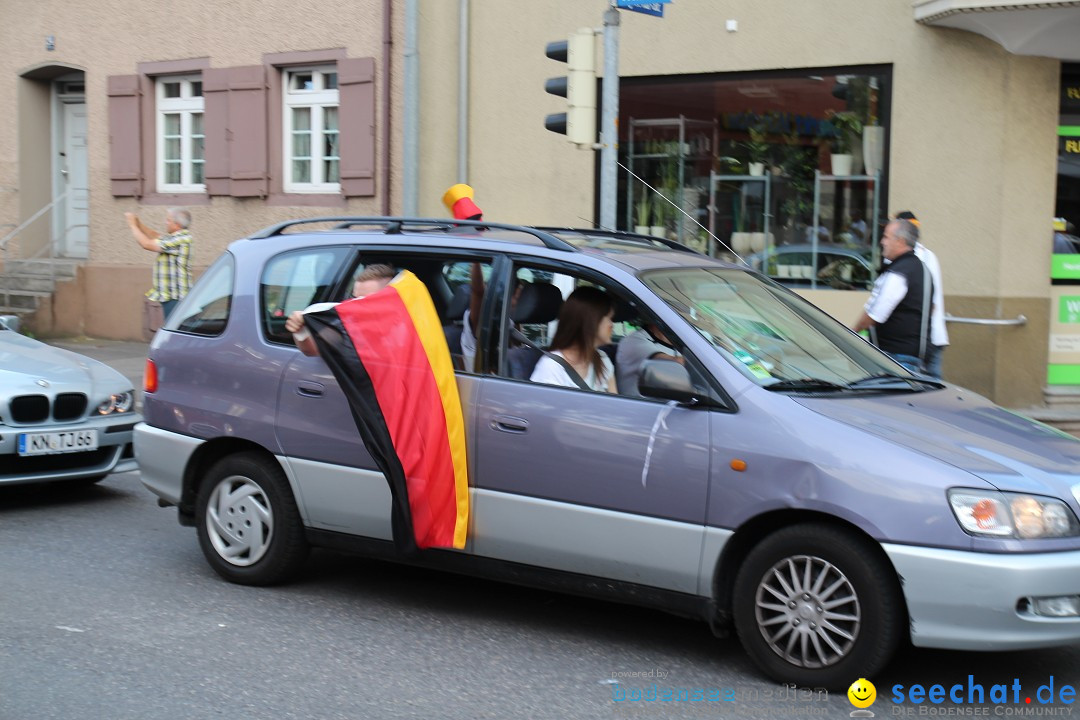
356 88
125 135
216 128
247 131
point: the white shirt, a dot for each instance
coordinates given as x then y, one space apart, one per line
938 334
889 289
634 350
550 372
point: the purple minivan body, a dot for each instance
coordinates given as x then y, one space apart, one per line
692 499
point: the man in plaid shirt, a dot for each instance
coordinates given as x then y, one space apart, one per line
172 272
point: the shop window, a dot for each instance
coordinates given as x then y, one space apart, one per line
741 165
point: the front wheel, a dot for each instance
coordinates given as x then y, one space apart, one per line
818 606
248 524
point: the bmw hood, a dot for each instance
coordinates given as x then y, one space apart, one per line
967 431
25 364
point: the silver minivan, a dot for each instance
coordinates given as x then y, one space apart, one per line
787 480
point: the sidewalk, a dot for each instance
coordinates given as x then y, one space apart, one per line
127 358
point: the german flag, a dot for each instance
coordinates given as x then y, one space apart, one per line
389 355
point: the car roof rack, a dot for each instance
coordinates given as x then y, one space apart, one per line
621 235
397 225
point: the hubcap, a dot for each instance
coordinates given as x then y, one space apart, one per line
807 611
238 521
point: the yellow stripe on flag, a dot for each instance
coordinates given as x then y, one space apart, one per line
417 301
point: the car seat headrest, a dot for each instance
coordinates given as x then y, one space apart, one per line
624 310
538 303
459 303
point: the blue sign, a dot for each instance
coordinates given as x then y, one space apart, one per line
647 7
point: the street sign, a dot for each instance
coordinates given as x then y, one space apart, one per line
646 7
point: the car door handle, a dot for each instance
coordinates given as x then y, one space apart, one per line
509 424
309 389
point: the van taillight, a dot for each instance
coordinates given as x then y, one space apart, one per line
150 378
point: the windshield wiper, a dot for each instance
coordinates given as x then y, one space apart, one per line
798 384
891 381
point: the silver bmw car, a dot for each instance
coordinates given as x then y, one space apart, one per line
63 416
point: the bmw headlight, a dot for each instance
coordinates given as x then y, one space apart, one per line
118 403
1012 515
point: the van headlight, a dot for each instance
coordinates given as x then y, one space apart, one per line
1012 515
118 403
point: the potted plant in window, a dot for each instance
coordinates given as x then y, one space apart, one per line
643 212
848 129
757 147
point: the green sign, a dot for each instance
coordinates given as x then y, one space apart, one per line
1069 309
1065 267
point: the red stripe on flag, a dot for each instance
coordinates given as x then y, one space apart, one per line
394 357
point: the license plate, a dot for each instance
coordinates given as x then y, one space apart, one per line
50 443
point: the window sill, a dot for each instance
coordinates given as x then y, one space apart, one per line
187 198
305 200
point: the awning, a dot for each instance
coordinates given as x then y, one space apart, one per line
1047 29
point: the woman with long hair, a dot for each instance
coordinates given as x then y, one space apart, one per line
586 321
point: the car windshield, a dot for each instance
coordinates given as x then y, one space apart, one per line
771 335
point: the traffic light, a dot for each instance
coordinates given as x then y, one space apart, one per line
578 123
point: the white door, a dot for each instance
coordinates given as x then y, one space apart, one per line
72 232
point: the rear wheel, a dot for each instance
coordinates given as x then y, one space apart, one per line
248 524
818 606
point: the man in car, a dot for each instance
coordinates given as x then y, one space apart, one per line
371 279
647 343
897 314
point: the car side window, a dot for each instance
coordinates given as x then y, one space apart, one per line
532 348
205 311
457 285
293 281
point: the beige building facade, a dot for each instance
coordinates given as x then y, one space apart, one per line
970 137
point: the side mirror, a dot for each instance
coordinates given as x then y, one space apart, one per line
10 322
668 380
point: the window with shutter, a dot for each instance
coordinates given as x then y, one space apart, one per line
125 138
179 133
310 130
356 82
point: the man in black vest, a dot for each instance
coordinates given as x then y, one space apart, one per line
898 311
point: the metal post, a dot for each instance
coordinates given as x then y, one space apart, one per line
814 233
609 121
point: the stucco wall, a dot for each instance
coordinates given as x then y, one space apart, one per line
113 36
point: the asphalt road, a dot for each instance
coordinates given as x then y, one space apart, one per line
108 610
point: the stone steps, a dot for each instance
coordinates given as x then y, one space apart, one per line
24 283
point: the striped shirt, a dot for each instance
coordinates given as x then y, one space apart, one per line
172 272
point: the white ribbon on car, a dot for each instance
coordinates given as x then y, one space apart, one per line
661 418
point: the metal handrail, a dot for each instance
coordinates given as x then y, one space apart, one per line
35 216
1018 320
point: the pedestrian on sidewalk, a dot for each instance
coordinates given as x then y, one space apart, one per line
939 334
897 314
172 268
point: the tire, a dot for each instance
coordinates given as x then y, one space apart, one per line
844 624
248 525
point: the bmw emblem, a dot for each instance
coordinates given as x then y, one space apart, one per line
43 383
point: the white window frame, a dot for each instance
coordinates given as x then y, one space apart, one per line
186 106
318 98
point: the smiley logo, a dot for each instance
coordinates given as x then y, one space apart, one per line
862 693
